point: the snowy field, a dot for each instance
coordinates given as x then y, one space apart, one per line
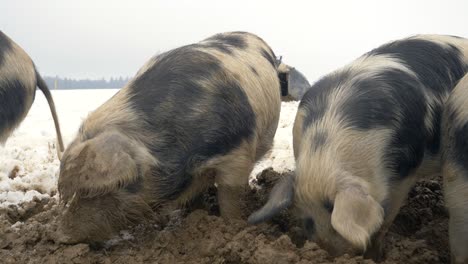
31 149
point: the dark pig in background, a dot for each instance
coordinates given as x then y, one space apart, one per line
293 83
363 135
18 81
191 117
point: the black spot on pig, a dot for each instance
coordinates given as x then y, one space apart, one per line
379 101
192 127
319 139
13 106
233 40
406 150
438 67
315 100
394 100
254 70
328 205
250 35
269 56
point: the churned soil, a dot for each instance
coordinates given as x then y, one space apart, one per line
198 235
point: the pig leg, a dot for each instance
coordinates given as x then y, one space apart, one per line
456 196
232 178
266 141
201 181
396 198
230 201
458 231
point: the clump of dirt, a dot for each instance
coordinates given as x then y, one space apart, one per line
14 172
20 213
193 235
421 227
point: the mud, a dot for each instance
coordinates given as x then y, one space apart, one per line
198 235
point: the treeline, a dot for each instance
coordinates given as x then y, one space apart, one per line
69 83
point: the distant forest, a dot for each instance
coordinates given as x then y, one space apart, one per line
69 83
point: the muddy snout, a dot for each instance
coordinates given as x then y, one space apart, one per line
87 221
62 235
68 230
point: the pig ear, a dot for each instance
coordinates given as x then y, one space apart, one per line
103 164
280 198
356 215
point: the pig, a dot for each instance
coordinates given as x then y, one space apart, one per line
195 116
18 80
293 83
455 169
362 136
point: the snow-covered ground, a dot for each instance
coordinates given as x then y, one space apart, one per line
31 148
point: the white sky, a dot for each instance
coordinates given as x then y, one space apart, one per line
95 38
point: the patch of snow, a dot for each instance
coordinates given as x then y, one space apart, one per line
281 156
30 150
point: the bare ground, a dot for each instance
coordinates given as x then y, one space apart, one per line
419 235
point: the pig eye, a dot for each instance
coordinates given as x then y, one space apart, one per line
328 206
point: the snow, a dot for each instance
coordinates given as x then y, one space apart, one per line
281 157
31 148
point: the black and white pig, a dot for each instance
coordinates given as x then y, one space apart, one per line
363 135
191 117
455 169
18 81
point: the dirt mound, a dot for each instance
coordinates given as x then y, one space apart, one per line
419 235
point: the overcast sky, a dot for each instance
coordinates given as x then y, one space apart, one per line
104 38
